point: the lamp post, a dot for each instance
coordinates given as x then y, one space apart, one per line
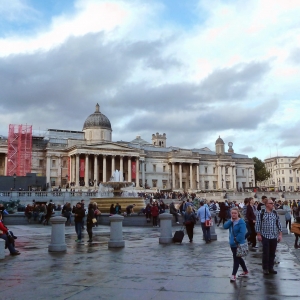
15 176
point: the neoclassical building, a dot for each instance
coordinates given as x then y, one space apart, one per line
284 171
90 156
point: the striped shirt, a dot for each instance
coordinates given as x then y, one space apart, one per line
268 228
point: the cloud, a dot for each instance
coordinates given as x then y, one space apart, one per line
248 149
295 56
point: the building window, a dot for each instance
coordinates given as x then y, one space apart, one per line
205 169
154 182
290 171
283 180
53 163
64 164
291 179
165 182
214 170
52 181
297 179
214 185
206 185
226 170
282 159
243 171
164 168
154 168
145 167
282 171
227 185
41 163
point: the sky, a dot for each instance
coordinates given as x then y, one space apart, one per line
195 70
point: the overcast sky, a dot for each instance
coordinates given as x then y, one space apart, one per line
191 69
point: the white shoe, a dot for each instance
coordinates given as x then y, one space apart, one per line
177 222
232 278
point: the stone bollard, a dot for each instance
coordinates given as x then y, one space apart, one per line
116 233
2 249
213 234
281 214
58 241
165 228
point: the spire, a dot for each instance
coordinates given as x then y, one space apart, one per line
97 108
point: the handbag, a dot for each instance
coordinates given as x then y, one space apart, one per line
208 223
242 249
94 220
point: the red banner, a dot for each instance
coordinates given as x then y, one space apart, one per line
133 170
81 167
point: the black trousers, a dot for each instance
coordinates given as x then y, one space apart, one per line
252 237
190 230
269 249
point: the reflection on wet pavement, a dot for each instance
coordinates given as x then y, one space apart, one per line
144 269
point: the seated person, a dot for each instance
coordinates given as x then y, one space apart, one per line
129 209
3 235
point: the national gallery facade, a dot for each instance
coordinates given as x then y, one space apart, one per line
86 158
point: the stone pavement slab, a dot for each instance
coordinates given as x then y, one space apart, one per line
144 269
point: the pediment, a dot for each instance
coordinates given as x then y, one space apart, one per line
105 147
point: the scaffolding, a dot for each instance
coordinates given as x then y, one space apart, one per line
19 150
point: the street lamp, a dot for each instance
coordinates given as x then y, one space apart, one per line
15 176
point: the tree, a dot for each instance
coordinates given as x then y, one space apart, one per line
260 171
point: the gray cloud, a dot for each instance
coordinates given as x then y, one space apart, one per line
289 135
294 56
248 149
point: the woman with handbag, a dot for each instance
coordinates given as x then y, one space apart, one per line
237 231
189 222
90 222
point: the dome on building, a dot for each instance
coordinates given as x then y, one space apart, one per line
97 120
219 141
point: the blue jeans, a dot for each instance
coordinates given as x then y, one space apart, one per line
10 246
78 229
206 232
237 261
269 249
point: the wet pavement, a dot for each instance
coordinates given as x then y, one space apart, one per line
142 270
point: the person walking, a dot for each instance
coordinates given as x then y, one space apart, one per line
269 232
89 222
174 212
222 213
251 217
237 231
154 213
189 222
79 214
203 214
288 217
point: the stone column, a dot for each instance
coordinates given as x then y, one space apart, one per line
137 177
129 169
121 168
5 165
219 177
116 233
173 176
234 178
143 173
48 165
180 175
2 249
104 168
191 176
247 177
294 179
58 242
86 170
165 228
96 170
281 214
77 171
198 177
112 164
59 171
73 174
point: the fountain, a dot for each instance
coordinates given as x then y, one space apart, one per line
116 191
